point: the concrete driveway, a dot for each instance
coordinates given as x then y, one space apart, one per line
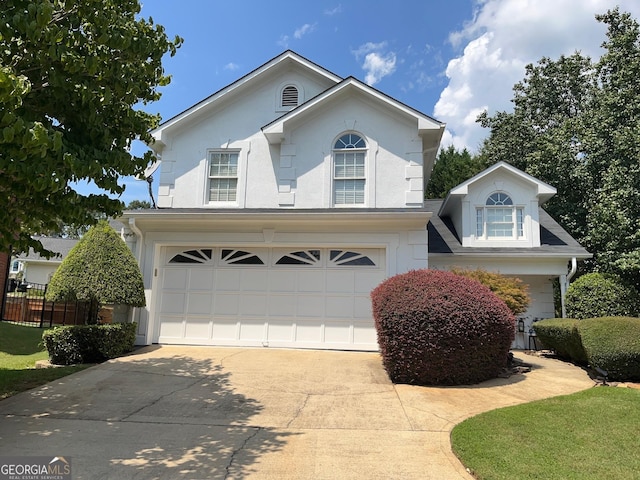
214 413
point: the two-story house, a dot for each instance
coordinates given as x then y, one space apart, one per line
287 196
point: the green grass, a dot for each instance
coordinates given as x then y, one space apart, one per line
588 435
20 348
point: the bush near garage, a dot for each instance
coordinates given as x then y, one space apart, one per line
512 290
613 344
562 336
438 328
69 345
601 295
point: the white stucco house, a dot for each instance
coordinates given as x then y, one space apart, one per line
30 267
287 196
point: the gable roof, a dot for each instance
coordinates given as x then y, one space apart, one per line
544 190
554 240
62 246
426 124
284 60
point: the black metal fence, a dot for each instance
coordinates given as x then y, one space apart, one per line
25 304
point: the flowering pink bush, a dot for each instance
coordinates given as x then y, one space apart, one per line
438 328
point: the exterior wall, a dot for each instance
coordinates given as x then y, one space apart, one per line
297 173
39 272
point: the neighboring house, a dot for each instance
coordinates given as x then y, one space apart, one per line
287 196
32 268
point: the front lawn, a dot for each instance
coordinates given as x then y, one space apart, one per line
20 348
588 435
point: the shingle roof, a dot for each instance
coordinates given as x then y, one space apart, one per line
57 245
554 239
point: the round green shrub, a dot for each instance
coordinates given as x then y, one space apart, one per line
513 291
613 344
438 328
601 295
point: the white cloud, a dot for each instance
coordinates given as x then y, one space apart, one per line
303 30
284 41
503 37
231 66
377 63
333 11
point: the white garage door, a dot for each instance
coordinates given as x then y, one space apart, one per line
306 298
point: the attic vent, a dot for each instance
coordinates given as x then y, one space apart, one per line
290 96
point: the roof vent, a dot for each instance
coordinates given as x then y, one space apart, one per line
290 96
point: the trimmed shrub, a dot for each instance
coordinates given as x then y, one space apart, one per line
562 336
613 344
438 328
512 290
100 269
73 344
601 295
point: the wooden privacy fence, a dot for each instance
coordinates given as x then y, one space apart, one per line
25 304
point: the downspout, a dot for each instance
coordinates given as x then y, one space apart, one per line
564 284
135 312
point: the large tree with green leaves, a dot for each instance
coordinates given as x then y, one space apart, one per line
73 77
452 167
575 124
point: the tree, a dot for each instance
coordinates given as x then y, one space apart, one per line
452 167
138 205
100 269
72 77
575 126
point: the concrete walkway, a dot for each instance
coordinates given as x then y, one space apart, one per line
214 413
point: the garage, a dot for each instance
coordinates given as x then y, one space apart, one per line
273 297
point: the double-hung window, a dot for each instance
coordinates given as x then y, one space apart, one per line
499 218
223 176
349 154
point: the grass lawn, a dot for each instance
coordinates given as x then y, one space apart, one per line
20 348
592 434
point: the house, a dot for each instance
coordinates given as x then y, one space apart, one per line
32 268
287 196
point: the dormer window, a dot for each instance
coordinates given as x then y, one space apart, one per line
500 219
289 97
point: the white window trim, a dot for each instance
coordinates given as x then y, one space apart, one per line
208 177
365 177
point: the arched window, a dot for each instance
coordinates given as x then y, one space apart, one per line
289 97
499 218
349 154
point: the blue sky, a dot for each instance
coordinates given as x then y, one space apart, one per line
450 59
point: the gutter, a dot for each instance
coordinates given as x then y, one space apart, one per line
564 286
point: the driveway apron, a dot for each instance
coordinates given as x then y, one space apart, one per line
230 413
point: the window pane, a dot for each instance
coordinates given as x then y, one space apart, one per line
479 223
349 165
499 199
223 164
223 189
349 192
520 220
350 140
499 222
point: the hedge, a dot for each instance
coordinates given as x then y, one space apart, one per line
562 336
613 344
601 295
68 345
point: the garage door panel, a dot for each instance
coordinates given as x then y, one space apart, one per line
280 330
226 304
172 302
201 279
227 280
338 331
171 326
199 303
225 329
339 306
310 281
340 281
366 281
198 327
254 279
253 304
364 333
309 331
362 307
310 306
253 329
175 279
282 281
282 305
